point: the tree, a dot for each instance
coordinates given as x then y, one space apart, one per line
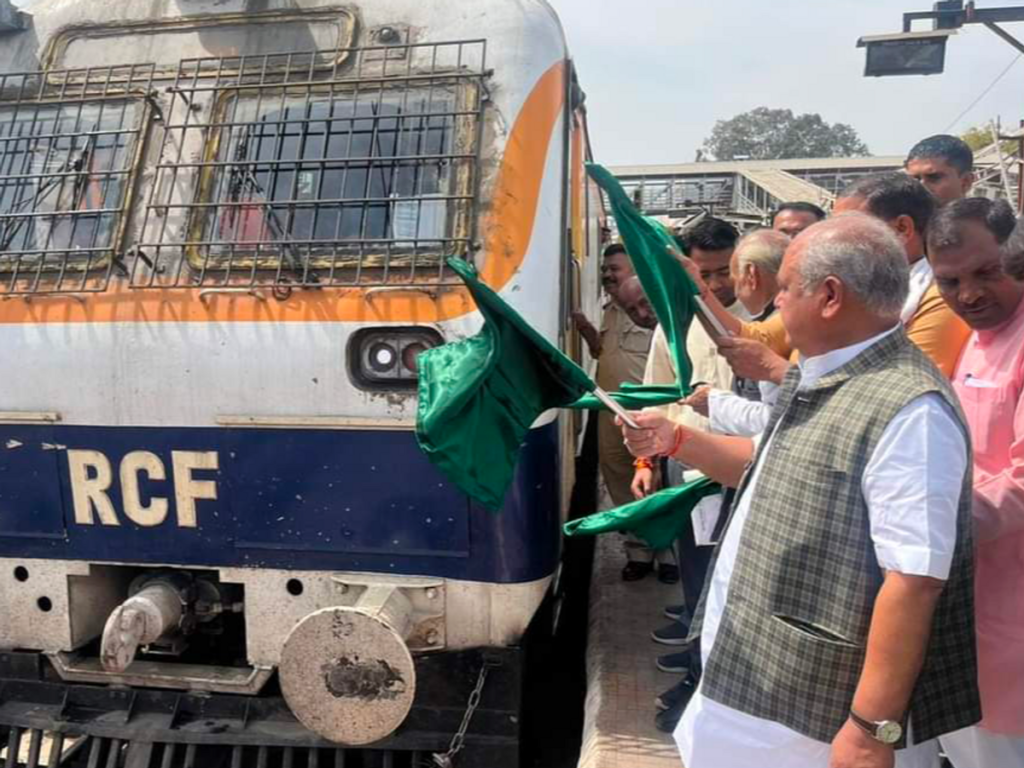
777 134
980 137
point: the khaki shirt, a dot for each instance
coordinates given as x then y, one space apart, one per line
624 348
709 367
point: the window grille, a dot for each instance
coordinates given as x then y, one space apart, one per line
314 170
68 147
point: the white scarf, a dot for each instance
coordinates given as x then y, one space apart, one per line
920 281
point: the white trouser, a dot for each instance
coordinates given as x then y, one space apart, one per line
924 755
975 747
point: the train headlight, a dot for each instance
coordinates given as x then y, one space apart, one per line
410 355
386 358
382 357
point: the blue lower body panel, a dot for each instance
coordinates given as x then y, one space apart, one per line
276 498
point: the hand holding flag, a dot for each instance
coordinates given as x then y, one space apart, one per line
478 397
720 331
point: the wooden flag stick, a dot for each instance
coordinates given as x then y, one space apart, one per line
705 310
615 408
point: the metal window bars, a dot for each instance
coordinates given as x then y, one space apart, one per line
313 169
69 143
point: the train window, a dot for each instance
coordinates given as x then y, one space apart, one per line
316 176
64 169
66 159
293 170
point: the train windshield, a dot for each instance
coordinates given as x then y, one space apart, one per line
63 174
316 172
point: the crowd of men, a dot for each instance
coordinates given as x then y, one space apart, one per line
852 598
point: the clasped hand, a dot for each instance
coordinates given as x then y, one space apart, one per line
654 438
753 360
699 400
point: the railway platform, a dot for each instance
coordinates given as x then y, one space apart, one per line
622 680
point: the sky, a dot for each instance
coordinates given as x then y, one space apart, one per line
659 73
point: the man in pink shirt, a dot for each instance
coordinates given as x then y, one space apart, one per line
967 241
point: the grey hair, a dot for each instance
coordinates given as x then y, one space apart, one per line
1013 252
864 255
764 248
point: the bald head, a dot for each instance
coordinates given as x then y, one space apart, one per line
862 253
842 281
633 300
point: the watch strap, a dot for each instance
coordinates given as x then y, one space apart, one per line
867 725
873 729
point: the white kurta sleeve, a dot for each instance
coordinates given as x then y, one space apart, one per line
912 487
731 414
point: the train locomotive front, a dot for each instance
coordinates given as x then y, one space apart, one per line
222 231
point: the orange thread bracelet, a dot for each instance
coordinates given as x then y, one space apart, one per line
681 437
643 463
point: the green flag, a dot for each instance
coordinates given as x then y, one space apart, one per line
669 289
658 519
634 397
478 397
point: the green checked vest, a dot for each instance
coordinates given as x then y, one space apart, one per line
791 642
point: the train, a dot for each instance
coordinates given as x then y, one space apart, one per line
223 226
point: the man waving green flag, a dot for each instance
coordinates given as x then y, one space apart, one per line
659 518
479 396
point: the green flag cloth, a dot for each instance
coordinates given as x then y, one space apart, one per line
634 397
658 519
479 396
669 290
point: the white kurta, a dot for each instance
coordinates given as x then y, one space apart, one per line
976 747
730 414
912 488
921 278
709 366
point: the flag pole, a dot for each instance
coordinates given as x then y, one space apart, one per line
615 408
705 310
